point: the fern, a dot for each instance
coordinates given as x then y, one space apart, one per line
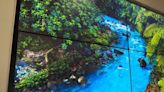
150 30
156 38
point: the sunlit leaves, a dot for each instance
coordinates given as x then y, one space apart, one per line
150 30
33 80
69 42
139 26
70 18
155 40
161 84
64 46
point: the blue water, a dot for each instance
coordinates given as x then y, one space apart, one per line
128 78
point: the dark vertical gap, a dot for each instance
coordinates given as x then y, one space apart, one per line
130 71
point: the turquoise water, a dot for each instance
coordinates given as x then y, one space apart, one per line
130 77
123 74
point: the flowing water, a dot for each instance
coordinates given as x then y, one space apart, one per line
124 73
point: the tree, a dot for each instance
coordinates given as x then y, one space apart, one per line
73 19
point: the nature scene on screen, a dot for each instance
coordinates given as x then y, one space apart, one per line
89 46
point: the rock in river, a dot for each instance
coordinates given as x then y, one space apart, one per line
66 81
81 80
142 62
117 52
72 77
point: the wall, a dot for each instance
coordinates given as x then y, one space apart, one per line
7 15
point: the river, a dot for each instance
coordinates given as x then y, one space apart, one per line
124 73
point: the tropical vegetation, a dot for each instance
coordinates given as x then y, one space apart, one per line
148 23
62 38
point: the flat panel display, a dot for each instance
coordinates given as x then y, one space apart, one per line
87 46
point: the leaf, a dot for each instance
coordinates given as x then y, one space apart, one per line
69 42
64 46
161 84
139 27
156 38
150 30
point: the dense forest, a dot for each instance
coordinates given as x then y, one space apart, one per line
50 60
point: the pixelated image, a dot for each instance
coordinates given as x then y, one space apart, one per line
88 46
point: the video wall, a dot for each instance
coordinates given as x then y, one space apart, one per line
87 46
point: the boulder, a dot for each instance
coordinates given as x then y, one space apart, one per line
142 62
66 81
28 54
117 52
72 77
81 80
48 84
120 67
126 35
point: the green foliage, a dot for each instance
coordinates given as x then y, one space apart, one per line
95 46
155 40
113 8
32 42
59 67
150 49
66 43
64 46
139 27
97 54
154 33
33 81
75 19
160 60
62 16
148 23
150 30
161 84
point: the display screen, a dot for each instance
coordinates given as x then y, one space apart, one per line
87 46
